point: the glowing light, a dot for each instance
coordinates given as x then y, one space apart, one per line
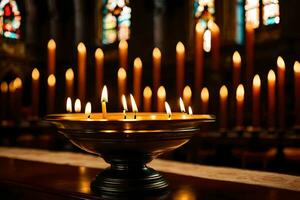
156 53
240 92
17 83
133 104
168 110
69 105
81 47
297 67
256 81
180 47
51 80
35 74
137 63
4 87
190 110
99 53
11 87
123 44
236 57
280 62
161 92
271 75
104 95
187 92
122 73
77 106
223 92
51 44
69 74
88 109
181 105
199 28
207 40
204 94
147 93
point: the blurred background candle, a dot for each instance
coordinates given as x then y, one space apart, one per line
147 94
281 91
236 60
223 107
240 93
51 93
81 71
256 101
199 30
187 96
51 57
18 96
215 45
161 98
180 67
204 100
271 99
297 92
123 54
3 105
12 99
137 80
69 82
35 92
99 61
156 56
77 106
121 84
249 53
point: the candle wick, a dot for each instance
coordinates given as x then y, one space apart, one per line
124 112
169 116
89 116
134 115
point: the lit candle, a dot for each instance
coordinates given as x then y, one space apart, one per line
180 67
256 101
69 105
240 92
215 45
281 91
69 82
121 83
4 90
133 105
236 59
204 100
124 103
81 71
123 53
104 100
12 99
77 106
161 98
35 91
147 93
168 110
88 109
51 56
297 92
187 95
18 96
51 93
223 107
190 110
249 52
99 61
271 99
137 79
181 105
156 56
198 57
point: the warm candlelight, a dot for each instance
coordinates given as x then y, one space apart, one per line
88 109
190 110
240 93
181 105
77 106
124 103
180 67
249 52
69 105
271 99
223 107
297 92
35 91
18 95
51 57
104 100
69 76
121 83
133 106
147 93
168 110
137 79
256 101
236 60
187 95
204 100
81 71
156 56
51 93
281 91
4 90
12 98
99 62
123 53
215 44
161 98
198 58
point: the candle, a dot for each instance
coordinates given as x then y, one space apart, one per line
99 60
51 56
81 71
168 110
121 83
12 99
69 105
187 95
69 82
180 67
35 91
133 106
104 100
137 79
123 53
240 92
215 45
124 103
190 110
4 90
297 92
77 106
51 93
236 79
181 105
249 52
147 93
281 91
256 101
204 100
271 99
156 56
18 96
223 107
88 109
161 98
198 58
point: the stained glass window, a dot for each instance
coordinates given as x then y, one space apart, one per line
10 19
204 11
270 12
252 12
116 21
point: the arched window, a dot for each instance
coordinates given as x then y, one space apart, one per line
270 12
116 21
252 12
10 19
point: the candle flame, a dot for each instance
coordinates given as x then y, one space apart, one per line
69 74
99 53
147 93
51 80
11 87
137 63
124 103
213 26
161 92
123 44
240 92
204 95
88 109
207 40
4 87
81 47
187 92
104 95
223 92
133 104
35 74
156 53
69 105
168 109
256 81
51 44
17 83
190 110
271 75
122 73
77 106
199 28
280 62
180 47
297 67
236 57
181 105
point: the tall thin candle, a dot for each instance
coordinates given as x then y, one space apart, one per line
35 92
240 93
156 56
256 101
51 93
204 100
180 67
297 92
69 76
271 99
223 107
199 30
249 53
147 93
137 79
215 45
236 60
123 54
281 91
121 84
81 71
51 57
99 61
